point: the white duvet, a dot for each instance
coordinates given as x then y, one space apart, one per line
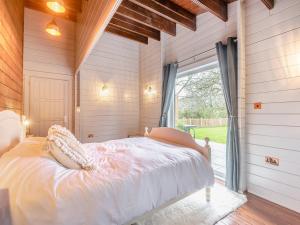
134 176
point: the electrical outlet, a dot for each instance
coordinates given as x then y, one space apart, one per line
257 105
272 160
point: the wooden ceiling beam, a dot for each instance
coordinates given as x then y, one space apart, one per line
170 10
131 25
216 7
145 16
269 3
126 33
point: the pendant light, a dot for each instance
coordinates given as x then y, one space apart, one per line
53 29
57 6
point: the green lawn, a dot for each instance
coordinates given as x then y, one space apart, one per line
215 134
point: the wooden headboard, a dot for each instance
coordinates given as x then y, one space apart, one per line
11 130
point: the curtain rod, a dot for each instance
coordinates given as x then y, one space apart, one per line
196 55
208 50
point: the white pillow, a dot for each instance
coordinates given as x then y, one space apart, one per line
67 150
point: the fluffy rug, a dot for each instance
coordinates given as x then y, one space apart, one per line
194 210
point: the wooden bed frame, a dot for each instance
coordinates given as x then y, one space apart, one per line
12 132
174 136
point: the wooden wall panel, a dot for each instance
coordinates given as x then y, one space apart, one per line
151 69
114 62
91 24
210 30
47 57
241 35
11 54
272 77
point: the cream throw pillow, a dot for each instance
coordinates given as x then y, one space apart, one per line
67 150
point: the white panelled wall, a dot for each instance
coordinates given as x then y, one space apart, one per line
48 72
200 43
151 68
242 93
114 62
273 78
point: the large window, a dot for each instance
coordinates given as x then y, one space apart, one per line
199 108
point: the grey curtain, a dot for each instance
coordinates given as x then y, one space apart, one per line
227 56
169 78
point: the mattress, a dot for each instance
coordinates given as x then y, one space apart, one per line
133 176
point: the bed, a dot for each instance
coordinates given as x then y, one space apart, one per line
135 177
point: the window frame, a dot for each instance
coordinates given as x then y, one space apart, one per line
182 72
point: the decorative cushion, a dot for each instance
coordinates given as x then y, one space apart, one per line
67 150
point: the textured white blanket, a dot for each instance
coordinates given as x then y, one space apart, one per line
134 176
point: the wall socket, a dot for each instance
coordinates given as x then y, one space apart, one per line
272 160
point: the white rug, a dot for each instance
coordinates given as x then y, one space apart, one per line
194 210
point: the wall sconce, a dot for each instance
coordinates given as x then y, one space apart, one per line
57 6
104 92
149 91
26 124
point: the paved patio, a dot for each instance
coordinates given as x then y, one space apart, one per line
218 155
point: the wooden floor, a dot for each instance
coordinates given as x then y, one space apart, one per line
258 211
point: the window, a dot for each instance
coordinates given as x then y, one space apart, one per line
199 108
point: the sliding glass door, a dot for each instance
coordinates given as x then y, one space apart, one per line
199 108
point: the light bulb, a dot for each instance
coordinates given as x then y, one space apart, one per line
53 29
149 90
26 123
104 91
56 6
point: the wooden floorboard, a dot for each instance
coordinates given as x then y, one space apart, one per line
258 211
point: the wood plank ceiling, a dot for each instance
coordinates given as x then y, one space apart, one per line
72 8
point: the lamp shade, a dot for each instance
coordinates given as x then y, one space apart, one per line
56 6
104 92
53 29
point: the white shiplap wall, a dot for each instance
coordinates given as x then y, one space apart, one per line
114 62
241 20
273 78
151 66
210 30
46 56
